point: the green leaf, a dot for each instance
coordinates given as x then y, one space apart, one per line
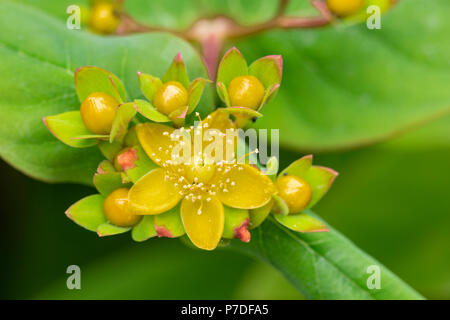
92 79
301 222
39 56
177 72
149 111
144 230
135 163
149 85
195 92
169 224
349 87
323 265
69 128
257 216
268 70
109 150
108 182
108 229
88 212
125 113
234 219
232 65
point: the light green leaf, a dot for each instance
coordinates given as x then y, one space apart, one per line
69 128
177 72
149 111
108 229
268 70
92 79
195 92
125 113
88 212
144 230
169 224
234 218
301 222
108 182
149 85
233 65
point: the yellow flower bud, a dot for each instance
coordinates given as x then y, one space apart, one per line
295 191
98 111
117 211
246 91
170 97
344 8
103 19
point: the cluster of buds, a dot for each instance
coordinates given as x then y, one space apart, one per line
143 190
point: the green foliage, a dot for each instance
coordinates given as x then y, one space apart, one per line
40 69
323 265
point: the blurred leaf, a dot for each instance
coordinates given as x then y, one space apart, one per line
323 265
151 270
346 87
39 56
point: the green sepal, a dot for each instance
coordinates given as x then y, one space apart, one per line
91 79
177 72
144 230
134 162
149 111
195 93
233 65
241 112
279 207
109 150
108 229
236 222
223 93
272 168
319 178
269 94
125 113
268 70
298 167
149 85
106 166
302 223
131 138
68 127
178 116
257 216
169 223
106 183
88 212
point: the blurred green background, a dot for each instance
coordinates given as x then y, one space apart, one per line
392 201
392 198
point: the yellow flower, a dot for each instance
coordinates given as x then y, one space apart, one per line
202 186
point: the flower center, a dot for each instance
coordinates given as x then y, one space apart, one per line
295 191
246 91
170 97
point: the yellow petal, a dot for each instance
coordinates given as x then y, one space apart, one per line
156 140
203 221
243 186
153 195
220 121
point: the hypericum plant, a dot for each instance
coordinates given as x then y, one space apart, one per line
171 98
251 87
141 186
